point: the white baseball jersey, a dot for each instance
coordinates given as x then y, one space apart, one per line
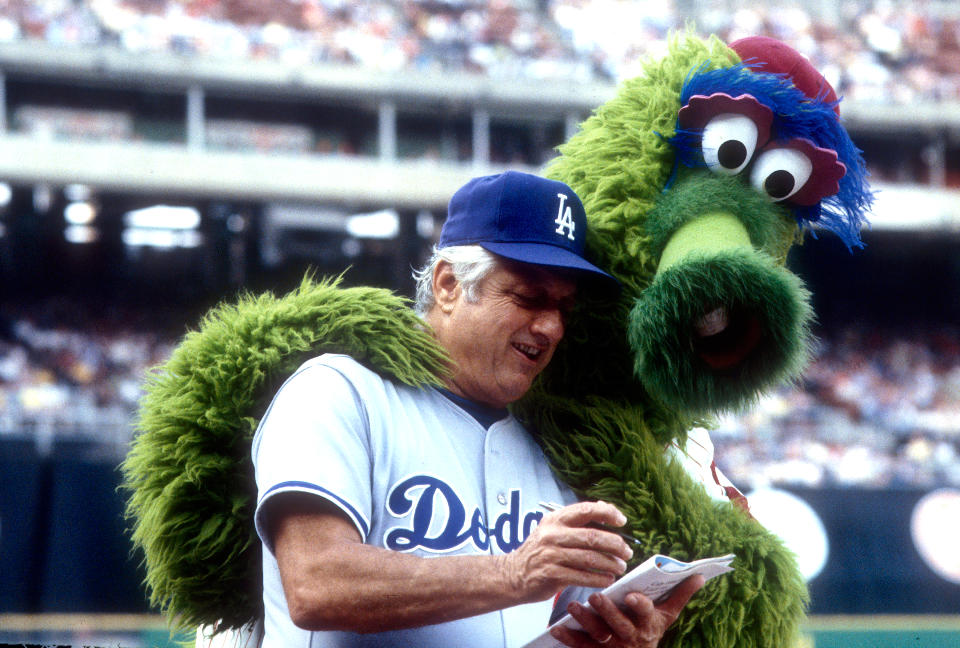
414 472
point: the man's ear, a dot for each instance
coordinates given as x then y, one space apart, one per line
446 287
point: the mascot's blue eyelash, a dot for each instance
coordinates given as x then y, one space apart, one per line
795 115
686 144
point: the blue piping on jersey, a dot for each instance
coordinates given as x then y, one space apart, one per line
364 528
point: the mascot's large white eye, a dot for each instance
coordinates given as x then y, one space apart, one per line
729 141
780 172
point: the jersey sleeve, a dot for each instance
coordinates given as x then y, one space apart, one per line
314 438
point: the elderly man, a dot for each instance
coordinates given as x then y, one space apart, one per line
393 516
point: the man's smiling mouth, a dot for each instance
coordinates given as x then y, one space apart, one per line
531 352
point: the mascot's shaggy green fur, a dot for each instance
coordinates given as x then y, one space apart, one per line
707 319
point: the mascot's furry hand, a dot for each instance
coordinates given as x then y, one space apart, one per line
694 177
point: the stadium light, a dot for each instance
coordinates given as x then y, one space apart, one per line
161 238
80 213
797 525
163 217
935 527
162 226
6 194
81 234
80 216
383 224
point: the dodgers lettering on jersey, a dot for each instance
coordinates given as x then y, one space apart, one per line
420 498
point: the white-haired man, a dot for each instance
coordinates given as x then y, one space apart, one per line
393 516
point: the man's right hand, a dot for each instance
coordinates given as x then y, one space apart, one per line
563 550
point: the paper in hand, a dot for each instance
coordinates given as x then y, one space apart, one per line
655 577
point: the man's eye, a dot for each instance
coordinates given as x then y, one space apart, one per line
543 302
527 301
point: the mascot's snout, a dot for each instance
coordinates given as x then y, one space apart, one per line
722 313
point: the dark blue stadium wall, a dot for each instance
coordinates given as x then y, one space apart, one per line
63 540
873 566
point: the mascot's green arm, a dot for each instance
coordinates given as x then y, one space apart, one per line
189 475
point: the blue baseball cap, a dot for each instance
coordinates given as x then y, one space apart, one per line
522 217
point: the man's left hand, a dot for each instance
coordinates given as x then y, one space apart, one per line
641 624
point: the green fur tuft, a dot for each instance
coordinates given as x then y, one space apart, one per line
189 472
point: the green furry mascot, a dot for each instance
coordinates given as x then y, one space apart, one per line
697 177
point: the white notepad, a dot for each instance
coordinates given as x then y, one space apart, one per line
655 577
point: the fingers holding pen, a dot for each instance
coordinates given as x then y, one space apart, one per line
583 513
564 550
584 531
591 526
582 549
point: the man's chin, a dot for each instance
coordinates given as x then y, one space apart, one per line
517 388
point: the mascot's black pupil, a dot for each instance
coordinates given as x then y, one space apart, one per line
778 184
732 154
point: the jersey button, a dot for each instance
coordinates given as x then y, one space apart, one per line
502 498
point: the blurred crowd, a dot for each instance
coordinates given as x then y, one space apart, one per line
871 50
875 408
81 379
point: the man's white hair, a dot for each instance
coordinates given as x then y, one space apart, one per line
470 265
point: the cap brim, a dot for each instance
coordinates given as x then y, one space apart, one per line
549 255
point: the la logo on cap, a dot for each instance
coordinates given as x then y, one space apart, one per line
564 219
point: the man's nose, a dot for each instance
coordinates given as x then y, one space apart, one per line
551 323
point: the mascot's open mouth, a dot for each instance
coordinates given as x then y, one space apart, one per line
711 329
725 337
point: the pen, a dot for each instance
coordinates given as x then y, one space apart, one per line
550 506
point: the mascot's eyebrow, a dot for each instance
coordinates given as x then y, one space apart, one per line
700 108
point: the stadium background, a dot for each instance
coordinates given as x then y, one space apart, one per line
158 156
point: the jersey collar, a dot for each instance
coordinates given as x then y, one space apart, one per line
485 415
